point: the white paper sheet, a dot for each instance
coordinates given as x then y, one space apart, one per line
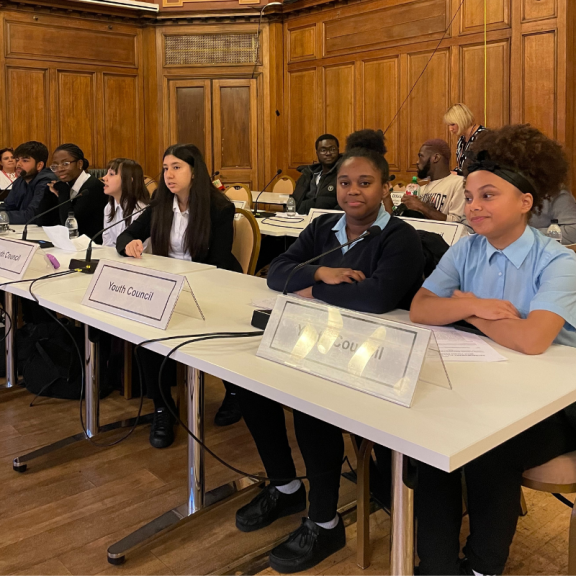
59 236
458 346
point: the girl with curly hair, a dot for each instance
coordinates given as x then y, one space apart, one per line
517 287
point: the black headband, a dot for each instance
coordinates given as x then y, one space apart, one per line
482 161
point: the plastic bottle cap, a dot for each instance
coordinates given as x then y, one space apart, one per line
555 221
415 179
70 214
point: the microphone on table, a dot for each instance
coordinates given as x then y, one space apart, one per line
265 214
43 243
88 265
260 317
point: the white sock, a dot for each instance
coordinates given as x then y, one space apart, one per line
290 488
477 573
329 525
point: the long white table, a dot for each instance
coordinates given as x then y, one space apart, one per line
489 403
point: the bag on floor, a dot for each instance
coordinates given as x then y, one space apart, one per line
48 360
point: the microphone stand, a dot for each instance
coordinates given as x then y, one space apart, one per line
264 214
88 265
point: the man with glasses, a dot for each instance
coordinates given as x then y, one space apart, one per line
28 195
316 187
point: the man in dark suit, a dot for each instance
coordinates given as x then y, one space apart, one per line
316 187
28 195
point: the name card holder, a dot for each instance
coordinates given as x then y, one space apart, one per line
362 351
451 232
140 294
15 257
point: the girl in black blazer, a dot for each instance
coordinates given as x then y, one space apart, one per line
188 219
86 191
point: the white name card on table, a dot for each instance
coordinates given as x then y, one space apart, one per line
451 232
362 351
15 257
315 212
242 204
396 197
140 294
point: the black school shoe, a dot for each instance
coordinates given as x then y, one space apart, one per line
268 506
229 411
162 431
307 546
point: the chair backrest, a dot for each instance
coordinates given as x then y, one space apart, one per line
98 172
239 192
284 185
246 245
151 184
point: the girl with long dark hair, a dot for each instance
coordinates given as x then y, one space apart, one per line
188 219
125 188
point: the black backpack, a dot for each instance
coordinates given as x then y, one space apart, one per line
48 360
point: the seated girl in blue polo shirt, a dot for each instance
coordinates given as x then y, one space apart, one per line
519 288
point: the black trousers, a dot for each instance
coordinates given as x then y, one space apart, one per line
151 363
493 483
321 444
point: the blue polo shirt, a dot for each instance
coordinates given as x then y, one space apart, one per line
340 229
533 273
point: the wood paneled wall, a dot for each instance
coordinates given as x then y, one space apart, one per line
351 66
72 80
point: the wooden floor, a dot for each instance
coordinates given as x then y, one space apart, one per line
61 515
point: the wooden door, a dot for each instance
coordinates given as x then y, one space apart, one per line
235 134
191 115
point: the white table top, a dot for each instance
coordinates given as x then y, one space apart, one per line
270 198
489 403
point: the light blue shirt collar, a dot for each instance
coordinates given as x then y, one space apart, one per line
340 228
517 251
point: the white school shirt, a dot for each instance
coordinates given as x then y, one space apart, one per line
179 225
447 196
78 184
110 236
6 179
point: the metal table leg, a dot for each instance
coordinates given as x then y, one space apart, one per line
92 408
402 534
197 498
9 340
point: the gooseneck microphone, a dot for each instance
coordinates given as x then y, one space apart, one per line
88 265
42 242
371 232
265 214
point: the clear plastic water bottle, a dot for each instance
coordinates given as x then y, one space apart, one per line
72 225
554 231
413 189
291 206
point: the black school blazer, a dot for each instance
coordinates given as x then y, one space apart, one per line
221 237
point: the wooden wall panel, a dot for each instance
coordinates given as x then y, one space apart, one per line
497 15
50 41
122 126
498 85
191 115
384 26
380 91
428 102
338 103
27 91
235 130
539 9
77 112
302 44
302 117
539 81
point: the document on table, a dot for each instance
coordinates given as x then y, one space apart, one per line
60 238
458 346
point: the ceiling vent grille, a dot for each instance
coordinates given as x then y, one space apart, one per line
211 49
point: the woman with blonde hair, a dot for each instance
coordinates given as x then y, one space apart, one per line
461 123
